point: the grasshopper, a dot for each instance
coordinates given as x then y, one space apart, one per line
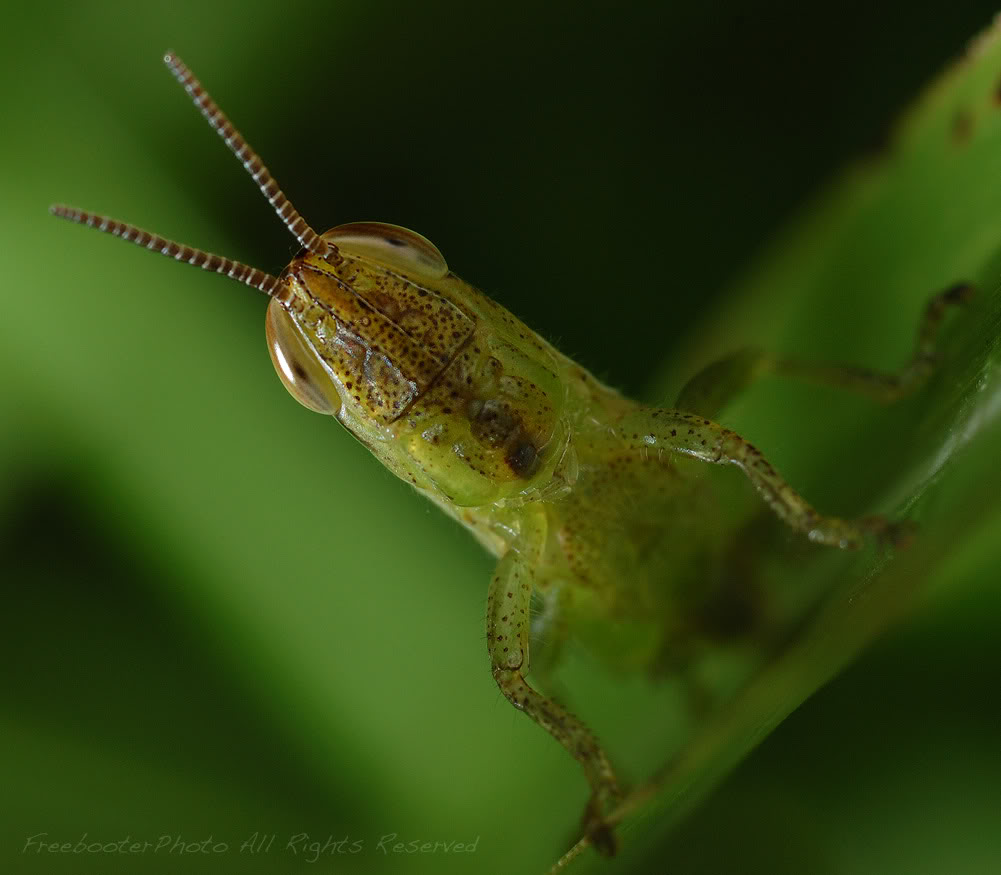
555 473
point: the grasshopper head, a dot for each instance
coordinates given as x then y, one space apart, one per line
367 324
358 327
443 385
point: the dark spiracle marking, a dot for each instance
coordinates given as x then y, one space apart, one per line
522 458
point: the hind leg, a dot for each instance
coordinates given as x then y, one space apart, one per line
710 390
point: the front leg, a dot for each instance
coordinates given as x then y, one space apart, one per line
508 629
648 428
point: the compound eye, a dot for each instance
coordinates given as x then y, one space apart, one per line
391 246
297 365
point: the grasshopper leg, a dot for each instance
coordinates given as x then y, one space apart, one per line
710 390
508 632
649 429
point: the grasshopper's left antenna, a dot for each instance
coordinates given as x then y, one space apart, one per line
250 159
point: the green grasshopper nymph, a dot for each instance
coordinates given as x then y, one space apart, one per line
555 473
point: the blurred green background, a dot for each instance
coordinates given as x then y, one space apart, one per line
177 663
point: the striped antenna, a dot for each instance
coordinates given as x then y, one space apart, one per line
249 276
250 159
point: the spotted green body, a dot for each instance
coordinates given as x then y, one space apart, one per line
594 505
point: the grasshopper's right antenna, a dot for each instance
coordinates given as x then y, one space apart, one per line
235 270
250 159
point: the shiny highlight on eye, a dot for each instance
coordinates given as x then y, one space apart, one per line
297 365
392 246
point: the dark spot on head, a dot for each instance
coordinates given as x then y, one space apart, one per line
300 371
395 241
522 458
